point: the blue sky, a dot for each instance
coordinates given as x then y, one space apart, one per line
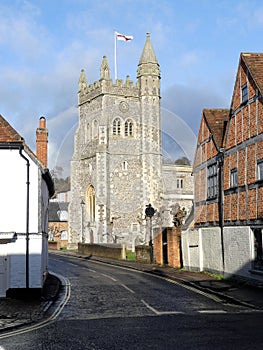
45 43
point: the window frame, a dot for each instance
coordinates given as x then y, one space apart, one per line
179 183
129 128
244 93
212 181
260 170
233 177
116 127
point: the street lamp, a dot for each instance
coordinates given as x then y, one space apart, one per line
149 212
82 203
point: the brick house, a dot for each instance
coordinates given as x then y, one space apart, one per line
26 186
228 176
58 225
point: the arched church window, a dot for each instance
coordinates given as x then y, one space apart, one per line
116 126
125 165
95 129
129 128
87 133
91 203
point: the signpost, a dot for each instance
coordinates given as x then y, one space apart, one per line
149 212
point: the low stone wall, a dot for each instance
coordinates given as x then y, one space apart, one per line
113 251
57 245
143 254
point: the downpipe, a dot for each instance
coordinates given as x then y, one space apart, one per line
27 214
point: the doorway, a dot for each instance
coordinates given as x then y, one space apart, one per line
165 246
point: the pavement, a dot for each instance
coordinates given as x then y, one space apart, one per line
15 313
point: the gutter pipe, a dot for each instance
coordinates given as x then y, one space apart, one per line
27 214
221 202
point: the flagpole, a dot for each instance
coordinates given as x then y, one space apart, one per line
115 55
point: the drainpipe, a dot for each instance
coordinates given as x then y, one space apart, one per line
27 216
221 201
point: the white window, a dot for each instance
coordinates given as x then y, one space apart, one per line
64 235
179 183
125 165
63 215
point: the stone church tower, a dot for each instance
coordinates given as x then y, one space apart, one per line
116 168
117 160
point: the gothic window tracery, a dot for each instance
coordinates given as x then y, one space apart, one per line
95 129
116 126
129 128
91 203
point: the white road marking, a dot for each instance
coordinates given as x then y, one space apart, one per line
111 278
70 263
129 289
159 313
171 313
212 311
150 307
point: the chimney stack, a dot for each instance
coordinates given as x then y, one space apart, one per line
42 141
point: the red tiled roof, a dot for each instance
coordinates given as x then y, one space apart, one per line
216 120
7 133
254 63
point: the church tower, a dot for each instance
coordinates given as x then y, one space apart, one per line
116 164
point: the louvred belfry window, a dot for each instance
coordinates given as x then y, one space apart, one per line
117 126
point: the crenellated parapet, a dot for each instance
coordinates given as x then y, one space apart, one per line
106 87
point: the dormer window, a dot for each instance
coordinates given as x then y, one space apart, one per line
244 93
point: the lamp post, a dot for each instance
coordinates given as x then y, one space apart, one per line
82 203
149 212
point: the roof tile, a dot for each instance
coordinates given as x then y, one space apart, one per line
216 120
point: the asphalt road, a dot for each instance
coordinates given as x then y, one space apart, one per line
116 308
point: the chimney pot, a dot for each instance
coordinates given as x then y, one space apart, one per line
42 141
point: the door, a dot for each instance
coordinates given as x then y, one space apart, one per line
3 271
165 247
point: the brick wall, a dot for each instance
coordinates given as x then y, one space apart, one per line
173 247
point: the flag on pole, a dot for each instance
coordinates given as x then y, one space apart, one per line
124 37
118 36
